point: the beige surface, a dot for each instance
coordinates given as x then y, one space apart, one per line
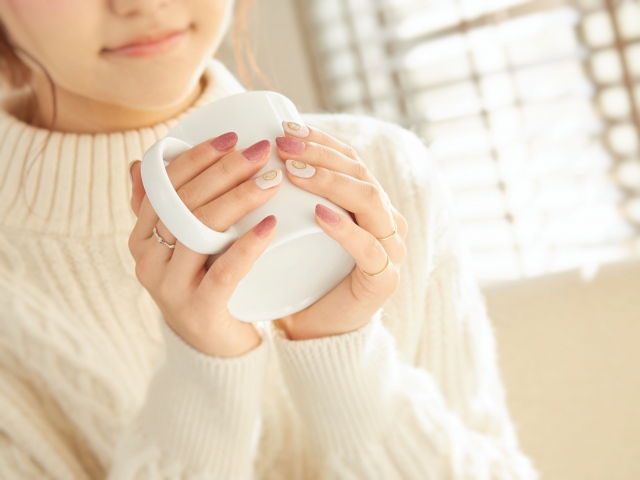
570 357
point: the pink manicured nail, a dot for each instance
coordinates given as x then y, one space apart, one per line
257 150
225 141
295 129
327 214
290 145
265 226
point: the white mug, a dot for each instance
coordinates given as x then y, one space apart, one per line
302 263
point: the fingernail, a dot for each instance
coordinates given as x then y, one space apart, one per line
327 214
269 179
265 226
257 150
225 141
295 129
299 169
290 145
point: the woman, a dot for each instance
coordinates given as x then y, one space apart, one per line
119 358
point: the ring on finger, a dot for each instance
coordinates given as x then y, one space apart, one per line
380 272
161 240
395 230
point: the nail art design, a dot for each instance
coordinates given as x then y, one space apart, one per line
299 169
269 179
295 129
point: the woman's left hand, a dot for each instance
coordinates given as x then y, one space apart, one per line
333 170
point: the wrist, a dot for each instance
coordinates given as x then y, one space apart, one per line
232 339
303 328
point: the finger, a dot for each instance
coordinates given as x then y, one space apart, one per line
182 169
219 215
368 253
222 278
194 161
364 199
151 260
186 266
336 155
138 245
226 174
230 207
328 157
137 189
321 155
227 209
312 134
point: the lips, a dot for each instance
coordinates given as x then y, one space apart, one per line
149 44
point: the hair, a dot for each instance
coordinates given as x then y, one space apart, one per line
16 75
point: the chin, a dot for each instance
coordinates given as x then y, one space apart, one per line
156 94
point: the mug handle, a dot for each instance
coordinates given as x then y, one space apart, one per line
170 208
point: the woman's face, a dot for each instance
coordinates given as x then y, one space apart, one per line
93 48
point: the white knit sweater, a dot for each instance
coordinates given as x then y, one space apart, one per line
94 384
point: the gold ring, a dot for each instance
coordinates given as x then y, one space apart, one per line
395 230
376 274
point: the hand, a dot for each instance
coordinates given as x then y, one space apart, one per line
336 172
193 298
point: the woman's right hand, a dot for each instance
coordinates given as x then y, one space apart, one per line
213 184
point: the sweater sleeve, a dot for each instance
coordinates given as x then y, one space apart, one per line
372 414
200 419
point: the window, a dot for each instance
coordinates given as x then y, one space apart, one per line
531 108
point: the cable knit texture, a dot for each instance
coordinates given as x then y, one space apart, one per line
95 385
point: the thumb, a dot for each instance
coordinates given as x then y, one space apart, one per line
137 188
234 264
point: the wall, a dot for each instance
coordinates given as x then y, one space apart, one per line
278 44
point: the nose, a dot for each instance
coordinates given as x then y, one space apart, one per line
134 7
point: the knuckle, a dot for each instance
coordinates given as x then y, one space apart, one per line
226 167
371 194
333 181
187 194
360 171
142 269
240 198
242 250
131 245
325 153
195 155
222 273
372 246
207 216
350 152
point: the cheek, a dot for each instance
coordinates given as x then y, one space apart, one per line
54 31
211 17
39 9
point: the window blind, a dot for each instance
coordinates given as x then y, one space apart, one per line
531 108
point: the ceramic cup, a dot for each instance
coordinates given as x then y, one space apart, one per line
302 263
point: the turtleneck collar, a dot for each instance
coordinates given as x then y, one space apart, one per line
79 186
